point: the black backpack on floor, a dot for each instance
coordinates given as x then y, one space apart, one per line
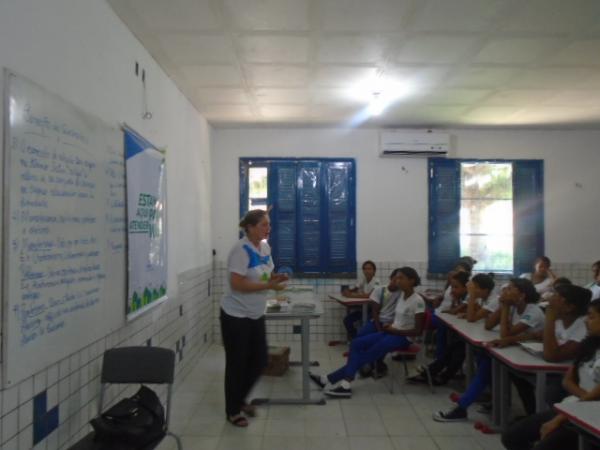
135 421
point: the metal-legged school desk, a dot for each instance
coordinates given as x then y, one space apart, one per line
304 318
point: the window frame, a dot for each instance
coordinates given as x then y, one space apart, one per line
322 167
444 212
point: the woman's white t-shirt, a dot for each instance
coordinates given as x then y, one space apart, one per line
446 301
256 265
589 376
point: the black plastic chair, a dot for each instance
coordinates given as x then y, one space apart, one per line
135 365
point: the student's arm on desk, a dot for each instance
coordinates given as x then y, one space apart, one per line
493 319
572 387
474 311
553 351
416 331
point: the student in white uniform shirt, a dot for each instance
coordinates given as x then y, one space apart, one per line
409 319
548 430
479 306
594 286
367 281
519 318
564 329
249 278
542 275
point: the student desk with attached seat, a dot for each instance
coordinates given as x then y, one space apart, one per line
584 415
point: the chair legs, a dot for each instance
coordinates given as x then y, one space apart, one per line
177 440
393 377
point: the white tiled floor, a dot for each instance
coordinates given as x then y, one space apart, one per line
372 419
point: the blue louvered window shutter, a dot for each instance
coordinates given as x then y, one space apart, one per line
444 214
528 213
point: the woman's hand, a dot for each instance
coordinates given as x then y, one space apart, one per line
279 277
276 284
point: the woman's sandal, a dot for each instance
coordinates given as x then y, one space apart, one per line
238 420
249 410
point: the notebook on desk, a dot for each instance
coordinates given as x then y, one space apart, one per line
535 348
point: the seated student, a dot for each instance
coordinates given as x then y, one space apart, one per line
409 318
362 289
450 302
384 299
582 381
542 276
479 306
519 318
594 286
564 329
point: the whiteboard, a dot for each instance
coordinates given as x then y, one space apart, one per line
64 272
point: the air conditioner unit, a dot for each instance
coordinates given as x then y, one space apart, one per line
412 144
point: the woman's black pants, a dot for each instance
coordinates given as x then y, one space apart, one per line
245 357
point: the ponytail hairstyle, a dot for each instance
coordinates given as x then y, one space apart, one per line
252 218
590 345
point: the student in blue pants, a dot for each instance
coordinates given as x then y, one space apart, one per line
520 319
409 319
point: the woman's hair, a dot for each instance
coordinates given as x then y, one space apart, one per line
591 344
484 281
411 273
464 265
461 277
577 296
252 218
544 259
369 263
394 273
526 287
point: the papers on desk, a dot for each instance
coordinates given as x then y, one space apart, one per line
535 348
303 307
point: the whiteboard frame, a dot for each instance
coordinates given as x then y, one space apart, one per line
6 76
6 154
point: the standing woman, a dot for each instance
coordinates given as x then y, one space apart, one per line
249 278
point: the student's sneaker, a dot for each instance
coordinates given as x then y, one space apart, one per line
317 379
339 391
485 408
454 415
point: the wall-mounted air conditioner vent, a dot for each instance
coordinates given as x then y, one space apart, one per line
412 144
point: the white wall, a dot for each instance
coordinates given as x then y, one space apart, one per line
392 193
81 50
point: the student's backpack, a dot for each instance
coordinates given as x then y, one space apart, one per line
135 421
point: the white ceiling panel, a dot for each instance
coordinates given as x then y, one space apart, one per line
176 15
282 112
274 49
481 76
188 48
277 76
518 97
361 15
454 96
268 15
459 62
458 15
580 53
352 49
438 49
212 75
275 96
219 96
342 76
516 50
553 16
551 78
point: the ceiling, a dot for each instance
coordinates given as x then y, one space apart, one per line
465 63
